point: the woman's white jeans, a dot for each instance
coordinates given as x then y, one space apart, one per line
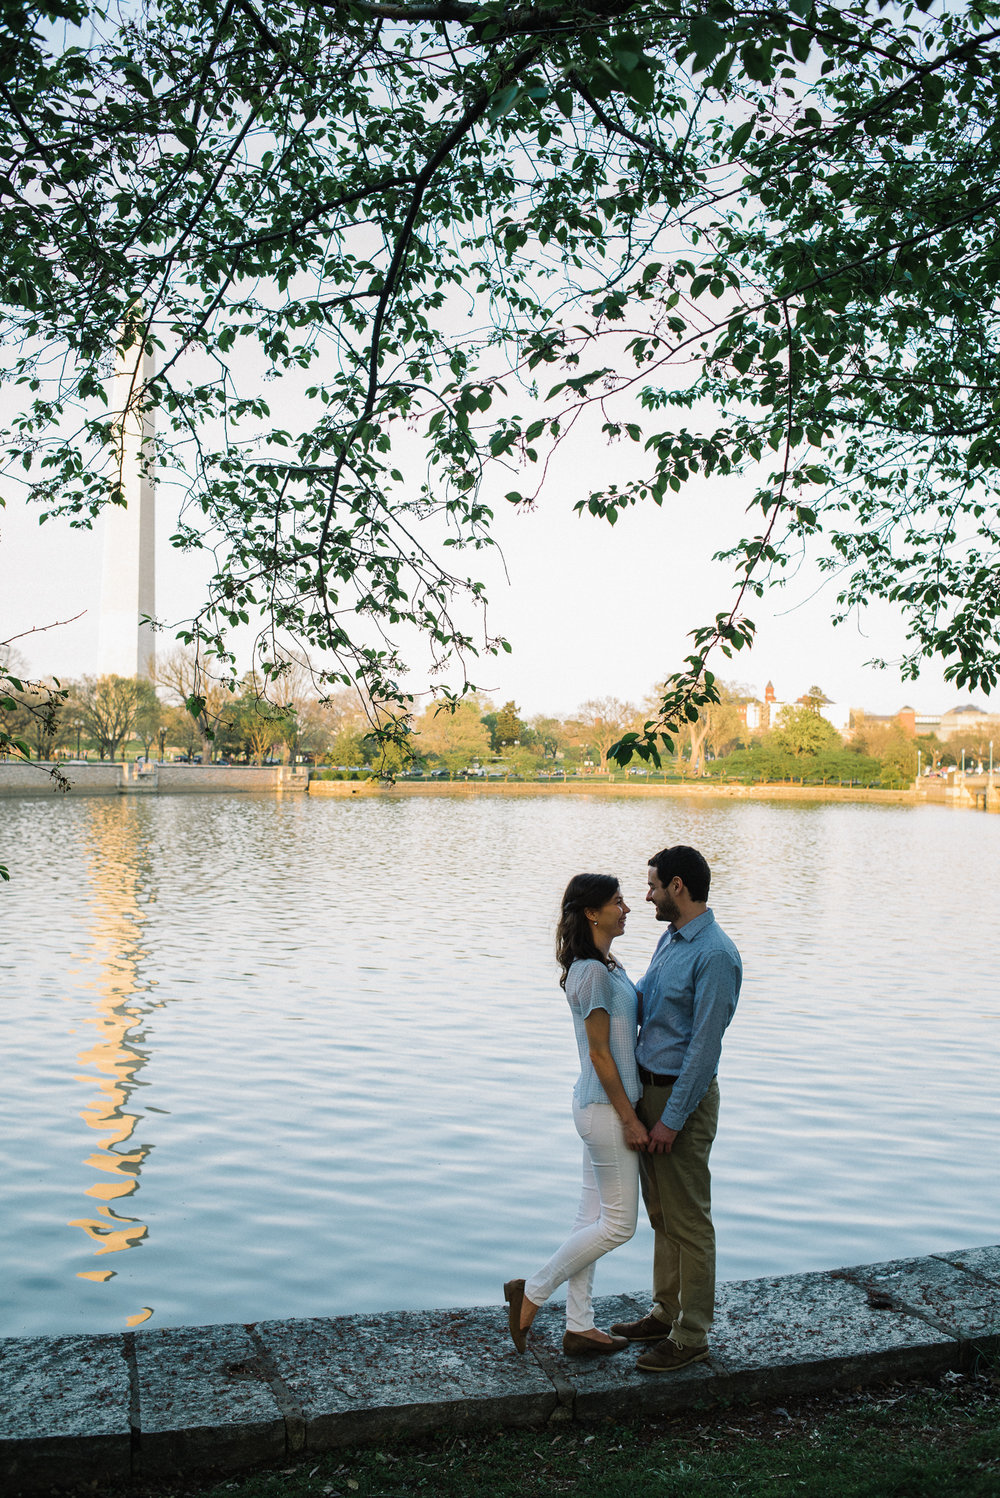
609 1204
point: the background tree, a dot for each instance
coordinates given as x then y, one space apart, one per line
348 749
257 724
33 714
185 677
726 725
975 744
180 731
931 749
717 726
454 739
549 734
892 746
508 730
30 711
802 730
150 714
107 705
602 721
291 689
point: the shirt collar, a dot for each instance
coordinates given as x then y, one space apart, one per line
691 929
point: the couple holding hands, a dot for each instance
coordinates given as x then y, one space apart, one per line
645 1109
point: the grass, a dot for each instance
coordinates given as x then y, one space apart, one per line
925 1439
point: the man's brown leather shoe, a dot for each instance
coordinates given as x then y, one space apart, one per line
667 1357
649 1329
576 1345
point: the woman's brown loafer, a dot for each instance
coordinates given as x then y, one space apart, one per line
513 1294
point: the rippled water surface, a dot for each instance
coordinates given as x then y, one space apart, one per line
301 1057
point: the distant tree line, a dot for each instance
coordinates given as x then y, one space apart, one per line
186 713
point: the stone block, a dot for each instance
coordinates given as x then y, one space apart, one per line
64 1411
614 1385
204 1401
942 1293
804 1332
981 1261
359 1378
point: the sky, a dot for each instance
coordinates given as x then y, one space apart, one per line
590 611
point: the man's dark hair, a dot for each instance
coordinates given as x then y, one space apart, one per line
689 864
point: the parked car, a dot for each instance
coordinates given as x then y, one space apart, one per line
440 775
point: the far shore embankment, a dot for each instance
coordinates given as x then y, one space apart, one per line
701 789
134 779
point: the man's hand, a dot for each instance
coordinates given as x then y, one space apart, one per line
661 1139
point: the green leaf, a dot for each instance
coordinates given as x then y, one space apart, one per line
801 45
503 102
707 40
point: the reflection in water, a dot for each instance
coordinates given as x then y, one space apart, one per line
119 867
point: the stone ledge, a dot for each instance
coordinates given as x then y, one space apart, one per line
161 1403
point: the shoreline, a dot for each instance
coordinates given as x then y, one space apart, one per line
162 1404
773 791
118 778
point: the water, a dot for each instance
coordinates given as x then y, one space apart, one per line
304 1057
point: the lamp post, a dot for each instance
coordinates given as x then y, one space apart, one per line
77 724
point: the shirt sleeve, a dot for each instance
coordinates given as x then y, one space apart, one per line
716 988
592 986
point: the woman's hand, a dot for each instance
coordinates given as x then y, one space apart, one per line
636 1135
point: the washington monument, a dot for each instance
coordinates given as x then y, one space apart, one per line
125 646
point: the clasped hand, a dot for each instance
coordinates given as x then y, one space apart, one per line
659 1140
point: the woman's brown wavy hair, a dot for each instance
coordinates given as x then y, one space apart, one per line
573 934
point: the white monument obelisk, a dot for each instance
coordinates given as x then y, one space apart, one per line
126 646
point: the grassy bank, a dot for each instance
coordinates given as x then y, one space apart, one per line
916 1440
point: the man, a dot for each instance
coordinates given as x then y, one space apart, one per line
688 997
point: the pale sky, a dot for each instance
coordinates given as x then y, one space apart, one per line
590 611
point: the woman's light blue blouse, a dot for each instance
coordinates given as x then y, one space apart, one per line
589 986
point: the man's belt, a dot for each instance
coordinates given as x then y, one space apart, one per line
655 1078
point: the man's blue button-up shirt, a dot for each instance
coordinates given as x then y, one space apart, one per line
689 996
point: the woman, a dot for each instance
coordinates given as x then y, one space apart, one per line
603 1003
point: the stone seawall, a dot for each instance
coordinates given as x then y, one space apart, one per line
195 778
97 779
126 779
156 1405
18 779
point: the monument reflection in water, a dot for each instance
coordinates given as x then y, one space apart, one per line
119 871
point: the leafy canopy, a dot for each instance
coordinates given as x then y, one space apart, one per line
752 237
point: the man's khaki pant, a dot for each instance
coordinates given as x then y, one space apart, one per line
677 1190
